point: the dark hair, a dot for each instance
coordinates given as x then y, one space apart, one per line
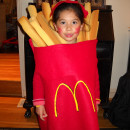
66 6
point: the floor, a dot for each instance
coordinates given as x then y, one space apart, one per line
10 74
12 116
9 67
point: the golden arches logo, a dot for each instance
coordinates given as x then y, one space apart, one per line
73 94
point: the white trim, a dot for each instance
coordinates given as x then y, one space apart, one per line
112 92
21 11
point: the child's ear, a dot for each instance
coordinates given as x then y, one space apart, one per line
81 27
55 26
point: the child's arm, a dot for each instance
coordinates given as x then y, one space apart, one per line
38 90
97 89
40 110
38 96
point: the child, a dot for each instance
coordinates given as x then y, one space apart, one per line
68 18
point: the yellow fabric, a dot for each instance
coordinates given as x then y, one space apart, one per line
73 94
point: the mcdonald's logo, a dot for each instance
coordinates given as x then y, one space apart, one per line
73 94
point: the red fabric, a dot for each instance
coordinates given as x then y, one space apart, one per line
68 64
69 1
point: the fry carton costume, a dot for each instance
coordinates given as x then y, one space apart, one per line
66 81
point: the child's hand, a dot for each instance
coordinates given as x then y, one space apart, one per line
97 107
41 112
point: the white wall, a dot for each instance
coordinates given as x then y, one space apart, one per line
21 11
121 22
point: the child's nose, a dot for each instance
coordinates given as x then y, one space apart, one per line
68 27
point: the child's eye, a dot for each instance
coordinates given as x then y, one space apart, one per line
74 22
62 22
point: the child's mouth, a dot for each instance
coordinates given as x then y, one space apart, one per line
69 35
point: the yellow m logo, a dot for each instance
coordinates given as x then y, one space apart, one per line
73 94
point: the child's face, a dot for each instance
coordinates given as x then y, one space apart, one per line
68 26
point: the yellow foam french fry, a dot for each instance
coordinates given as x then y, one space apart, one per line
87 20
96 33
81 37
42 33
34 44
32 10
87 33
94 24
87 7
24 22
46 9
41 17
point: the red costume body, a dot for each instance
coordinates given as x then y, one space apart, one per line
66 77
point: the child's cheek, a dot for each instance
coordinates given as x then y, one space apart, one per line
59 30
77 30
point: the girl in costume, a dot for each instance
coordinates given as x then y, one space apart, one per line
71 91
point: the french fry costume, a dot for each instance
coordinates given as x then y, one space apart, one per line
65 81
69 84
